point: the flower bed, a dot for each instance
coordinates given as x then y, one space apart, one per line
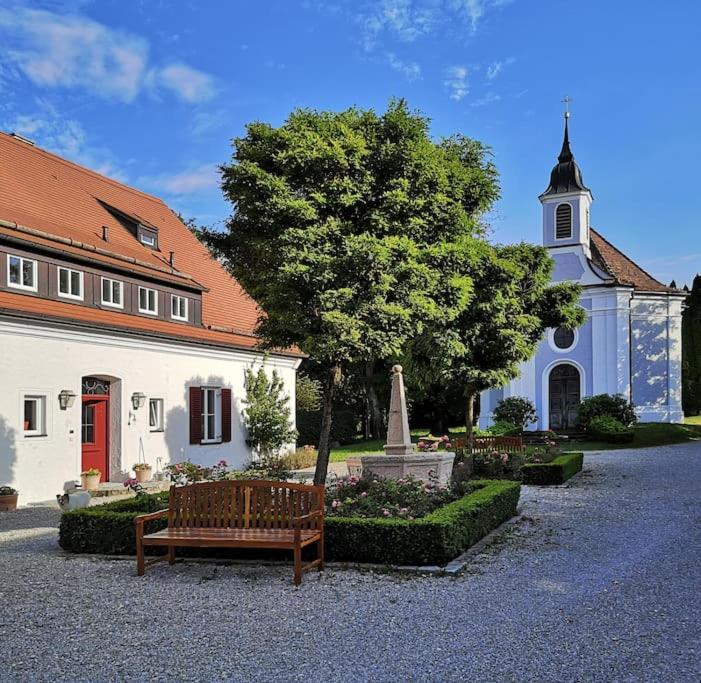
557 471
436 538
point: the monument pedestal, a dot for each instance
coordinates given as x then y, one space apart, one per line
427 467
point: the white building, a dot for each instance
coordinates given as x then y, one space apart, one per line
121 339
630 343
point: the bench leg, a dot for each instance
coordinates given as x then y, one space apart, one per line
140 565
298 565
171 554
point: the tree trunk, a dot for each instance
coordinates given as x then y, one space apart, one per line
376 420
333 379
470 419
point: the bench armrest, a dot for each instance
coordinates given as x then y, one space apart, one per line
297 521
151 515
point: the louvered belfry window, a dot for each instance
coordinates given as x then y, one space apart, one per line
563 222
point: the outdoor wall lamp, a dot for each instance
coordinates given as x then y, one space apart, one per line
138 399
66 399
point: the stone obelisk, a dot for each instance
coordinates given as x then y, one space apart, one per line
398 434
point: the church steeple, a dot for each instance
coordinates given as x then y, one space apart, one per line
565 176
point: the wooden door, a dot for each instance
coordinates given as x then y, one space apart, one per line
564 397
95 434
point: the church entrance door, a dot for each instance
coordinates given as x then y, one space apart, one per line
564 397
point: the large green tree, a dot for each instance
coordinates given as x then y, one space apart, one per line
339 221
513 304
691 351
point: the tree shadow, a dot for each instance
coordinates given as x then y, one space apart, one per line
177 431
8 453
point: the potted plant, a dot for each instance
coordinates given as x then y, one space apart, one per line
142 471
8 498
90 479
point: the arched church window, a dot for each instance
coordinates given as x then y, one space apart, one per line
563 221
563 338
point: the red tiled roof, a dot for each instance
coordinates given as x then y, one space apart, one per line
43 192
621 268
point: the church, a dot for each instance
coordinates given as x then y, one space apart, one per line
123 340
630 343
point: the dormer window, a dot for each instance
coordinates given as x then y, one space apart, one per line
147 237
563 222
148 301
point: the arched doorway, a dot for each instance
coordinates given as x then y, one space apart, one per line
95 425
564 393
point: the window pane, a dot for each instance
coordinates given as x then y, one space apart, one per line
88 426
63 281
31 417
14 270
210 426
116 293
28 273
75 283
151 300
105 290
142 297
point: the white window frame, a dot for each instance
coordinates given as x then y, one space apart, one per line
178 298
148 291
148 240
211 405
102 292
160 422
555 347
35 273
70 271
40 400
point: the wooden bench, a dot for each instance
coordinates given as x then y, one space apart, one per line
485 444
239 514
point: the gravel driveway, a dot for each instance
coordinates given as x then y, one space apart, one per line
598 581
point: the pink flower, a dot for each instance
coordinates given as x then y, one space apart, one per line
385 512
364 494
222 463
335 504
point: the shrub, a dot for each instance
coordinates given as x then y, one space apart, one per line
299 459
558 471
189 472
307 393
616 406
436 538
502 428
516 410
7 491
610 430
498 465
343 428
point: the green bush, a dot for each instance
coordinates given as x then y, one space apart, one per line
557 471
610 430
435 539
343 428
616 406
517 411
501 428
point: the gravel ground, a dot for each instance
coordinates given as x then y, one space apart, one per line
598 581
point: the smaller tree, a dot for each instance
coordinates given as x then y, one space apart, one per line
517 411
267 415
616 406
308 393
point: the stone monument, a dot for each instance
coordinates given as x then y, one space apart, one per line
401 459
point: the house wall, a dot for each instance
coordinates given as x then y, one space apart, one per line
43 360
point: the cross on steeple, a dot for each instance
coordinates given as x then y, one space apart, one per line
566 102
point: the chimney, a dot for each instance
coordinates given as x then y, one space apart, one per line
105 233
171 259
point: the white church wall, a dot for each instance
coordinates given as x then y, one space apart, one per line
656 358
42 361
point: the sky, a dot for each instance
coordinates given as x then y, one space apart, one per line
152 92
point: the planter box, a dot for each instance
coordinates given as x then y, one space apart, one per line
142 476
90 482
8 503
435 539
556 472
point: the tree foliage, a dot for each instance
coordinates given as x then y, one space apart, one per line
339 221
691 351
267 414
516 410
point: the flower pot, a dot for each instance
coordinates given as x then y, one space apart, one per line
90 482
8 503
143 475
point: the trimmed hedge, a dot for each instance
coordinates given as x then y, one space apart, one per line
556 472
435 539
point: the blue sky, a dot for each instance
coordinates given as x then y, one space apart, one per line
151 93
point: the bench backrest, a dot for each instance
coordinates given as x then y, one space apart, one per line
484 444
244 504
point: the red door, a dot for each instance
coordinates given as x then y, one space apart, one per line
95 434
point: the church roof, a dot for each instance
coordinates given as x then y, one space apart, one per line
565 176
623 270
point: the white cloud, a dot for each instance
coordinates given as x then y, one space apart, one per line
73 51
474 11
204 177
190 85
483 101
410 70
401 19
456 82
207 121
495 68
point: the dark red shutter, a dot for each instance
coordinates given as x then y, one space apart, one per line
195 415
226 415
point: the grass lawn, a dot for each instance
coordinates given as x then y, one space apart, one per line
650 434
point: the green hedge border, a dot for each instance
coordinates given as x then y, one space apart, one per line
558 471
435 539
